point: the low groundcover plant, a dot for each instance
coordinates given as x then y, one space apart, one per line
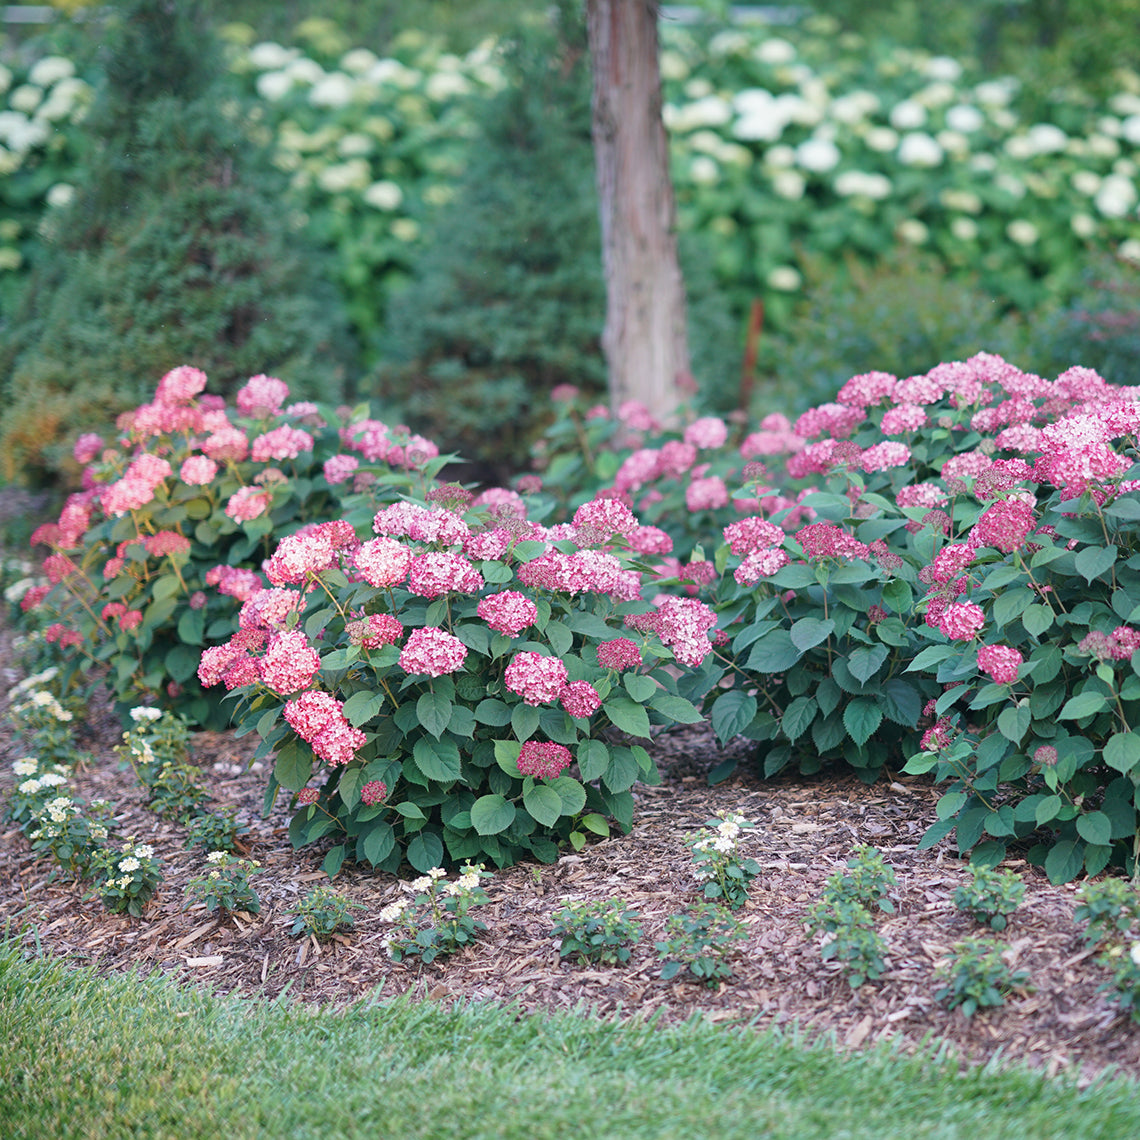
598 931
438 921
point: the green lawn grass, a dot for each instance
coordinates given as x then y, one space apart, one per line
89 1056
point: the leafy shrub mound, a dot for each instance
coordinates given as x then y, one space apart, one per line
445 677
151 560
942 567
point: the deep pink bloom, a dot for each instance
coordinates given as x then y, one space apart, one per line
373 793
87 448
621 653
180 385
438 572
746 536
375 630
383 562
308 796
339 467
262 397
709 432
543 759
1004 525
683 625
960 621
597 521
166 542
580 699
248 503
311 713
706 494
760 564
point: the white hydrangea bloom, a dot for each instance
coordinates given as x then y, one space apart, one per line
919 149
1022 232
965 117
881 139
273 86
964 229
907 115
817 155
1116 197
774 51
785 279
383 195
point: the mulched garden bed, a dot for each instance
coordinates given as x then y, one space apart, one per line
807 828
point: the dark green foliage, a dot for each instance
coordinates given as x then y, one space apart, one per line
177 250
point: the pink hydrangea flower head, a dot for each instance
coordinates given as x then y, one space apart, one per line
826 540
227 443
507 612
166 542
338 743
1005 525
543 759
650 540
636 416
675 458
1000 662
706 494
282 443
537 679
748 535
868 390
248 503
951 561
580 699
262 397
269 609
383 562
432 651
290 663
309 714
760 564
638 469
597 521
487 545
961 621
683 625
308 796
375 631
300 555
373 792
707 433
88 447
438 572
885 455
339 468
197 470
621 653
180 385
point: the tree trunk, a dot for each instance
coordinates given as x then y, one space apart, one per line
645 339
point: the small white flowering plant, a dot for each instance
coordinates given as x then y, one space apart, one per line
37 782
71 832
718 862
1124 985
127 879
44 724
154 738
226 884
322 913
600 931
438 921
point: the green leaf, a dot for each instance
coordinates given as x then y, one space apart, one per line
596 823
639 686
341 658
1036 619
560 638
773 653
1064 861
1082 705
293 766
861 717
182 662
492 814
434 712
628 716
570 792
507 756
1094 561
425 851
1094 827
333 861
1047 809
1010 604
809 631
1013 722
543 803
930 656
866 661
593 759
798 716
677 709
1122 752
524 721
493 712
378 842
437 759
732 713
361 707
192 627
622 772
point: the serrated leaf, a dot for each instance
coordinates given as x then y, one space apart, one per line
677 709
1013 723
570 793
1094 827
861 717
433 710
361 707
930 656
377 842
1082 705
622 772
797 717
1094 561
773 653
1122 752
1036 619
507 756
1064 861
627 715
425 851
437 759
866 661
593 759
639 687
493 712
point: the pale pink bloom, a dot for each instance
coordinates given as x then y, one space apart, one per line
487 545
836 420
197 470
180 385
707 433
597 521
814 459
500 501
87 448
637 469
370 437
826 540
234 581
767 442
904 418
507 612
375 630
312 712
675 458
921 495
749 535
650 540
882 456
636 416
281 443
537 679
262 397
338 742
706 494
299 555
227 443
968 465
683 625
166 542
760 564
269 609
952 560
867 390
438 572
1000 662
383 562
290 663
248 503
338 468
432 651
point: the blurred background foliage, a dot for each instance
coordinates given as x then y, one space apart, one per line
197 248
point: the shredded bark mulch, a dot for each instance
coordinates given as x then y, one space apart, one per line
807 828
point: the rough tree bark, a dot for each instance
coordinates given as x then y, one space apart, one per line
645 340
